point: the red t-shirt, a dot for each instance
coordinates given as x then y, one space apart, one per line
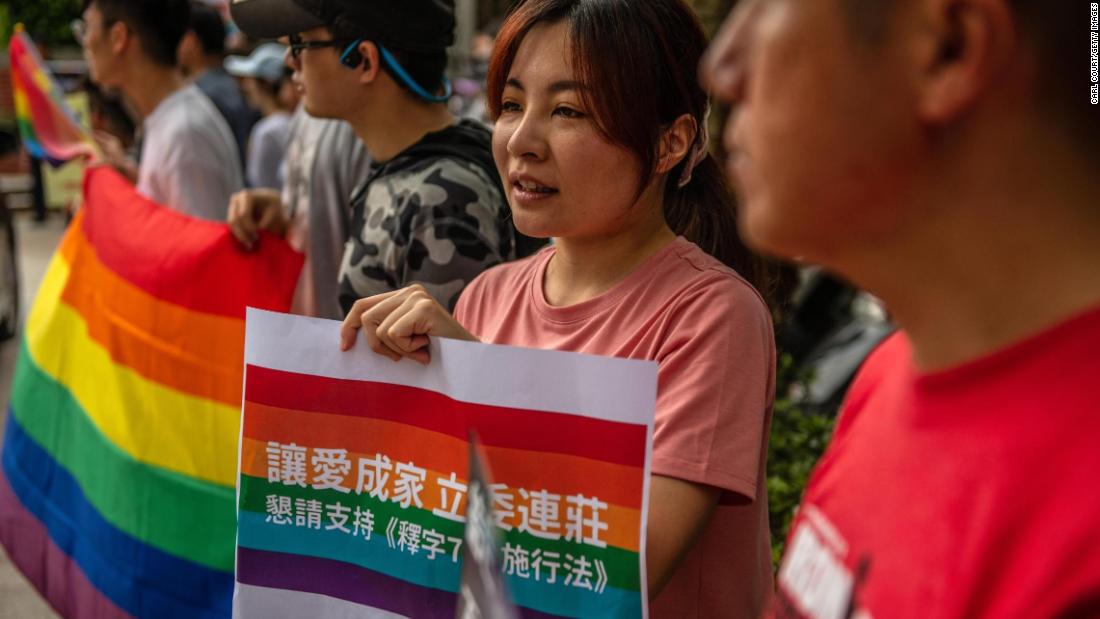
711 334
970 492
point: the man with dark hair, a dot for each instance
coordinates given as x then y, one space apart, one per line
189 160
432 209
202 57
157 26
943 155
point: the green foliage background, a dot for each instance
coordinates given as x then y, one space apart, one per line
798 439
5 25
47 21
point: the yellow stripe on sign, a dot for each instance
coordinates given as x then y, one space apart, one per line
154 424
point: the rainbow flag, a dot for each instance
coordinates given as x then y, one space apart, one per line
48 127
120 447
354 473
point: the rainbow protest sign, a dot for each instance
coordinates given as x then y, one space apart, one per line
48 127
353 474
119 455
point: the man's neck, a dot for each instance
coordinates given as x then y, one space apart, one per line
1006 251
268 107
391 124
149 84
206 63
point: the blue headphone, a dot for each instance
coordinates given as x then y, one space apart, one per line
353 58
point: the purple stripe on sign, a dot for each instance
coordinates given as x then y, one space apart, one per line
56 576
349 582
344 581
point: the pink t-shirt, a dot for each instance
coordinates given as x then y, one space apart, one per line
712 335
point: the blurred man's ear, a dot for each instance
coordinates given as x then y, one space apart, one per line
119 37
188 50
967 46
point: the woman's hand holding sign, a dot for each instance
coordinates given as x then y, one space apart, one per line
397 324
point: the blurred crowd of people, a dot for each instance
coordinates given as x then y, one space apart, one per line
201 107
250 85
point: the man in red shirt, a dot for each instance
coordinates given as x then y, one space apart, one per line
942 154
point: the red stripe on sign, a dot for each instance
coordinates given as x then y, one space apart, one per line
497 426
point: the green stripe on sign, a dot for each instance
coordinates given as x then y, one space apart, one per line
180 515
622 565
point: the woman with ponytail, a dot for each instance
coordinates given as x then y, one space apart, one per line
600 140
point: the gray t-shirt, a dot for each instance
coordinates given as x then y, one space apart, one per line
189 160
324 162
266 151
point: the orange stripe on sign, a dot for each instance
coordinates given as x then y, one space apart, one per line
192 352
614 483
622 522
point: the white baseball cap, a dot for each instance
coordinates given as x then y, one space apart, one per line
265 62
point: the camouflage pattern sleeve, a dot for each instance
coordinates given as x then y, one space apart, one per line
439 225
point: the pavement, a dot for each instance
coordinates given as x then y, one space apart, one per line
36 244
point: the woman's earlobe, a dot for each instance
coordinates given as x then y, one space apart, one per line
677 142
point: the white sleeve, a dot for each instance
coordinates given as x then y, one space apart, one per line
201 180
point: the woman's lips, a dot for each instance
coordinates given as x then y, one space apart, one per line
527 189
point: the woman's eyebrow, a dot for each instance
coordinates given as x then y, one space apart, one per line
556 87
563 85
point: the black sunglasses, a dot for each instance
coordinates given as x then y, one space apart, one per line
297 44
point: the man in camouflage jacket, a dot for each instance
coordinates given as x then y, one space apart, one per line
434 215
432 210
